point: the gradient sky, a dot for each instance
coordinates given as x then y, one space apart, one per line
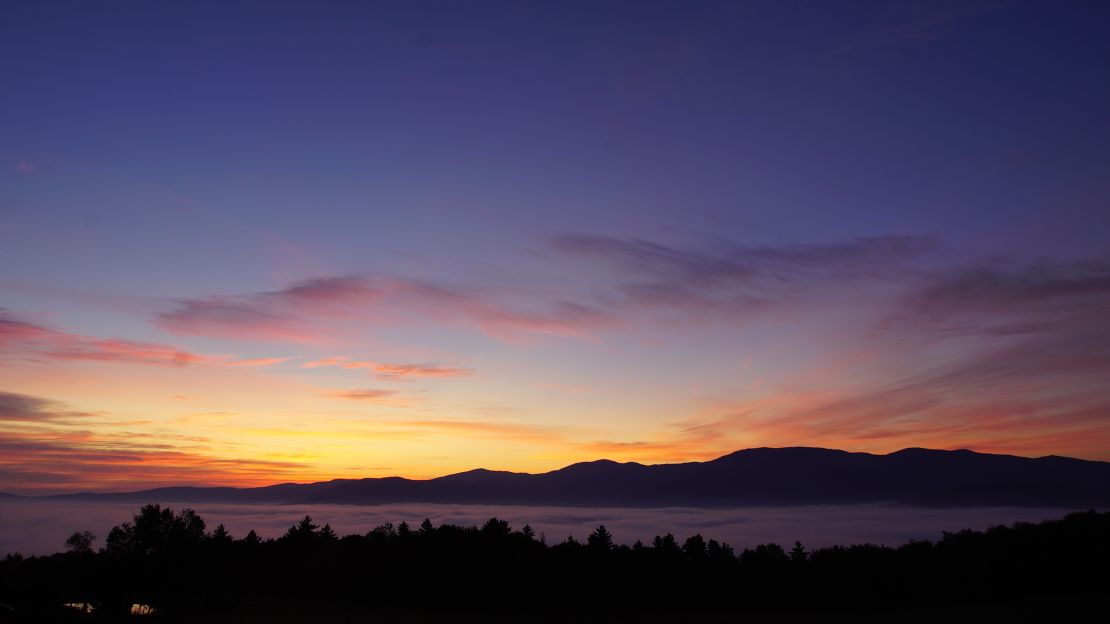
245 243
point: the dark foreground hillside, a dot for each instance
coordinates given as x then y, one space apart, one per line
172 564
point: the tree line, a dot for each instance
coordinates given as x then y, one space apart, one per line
174 563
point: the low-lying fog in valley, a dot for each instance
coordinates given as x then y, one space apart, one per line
36 527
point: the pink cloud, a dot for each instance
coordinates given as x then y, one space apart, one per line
28 338
24 168
419 370
258 362
336 361
364 394
285 315
23 408
84 348
34 339
485 429
390 371
309 311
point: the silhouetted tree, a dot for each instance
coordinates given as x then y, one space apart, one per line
220 535
601 539
666 544
383 532
403 530
496 528
303 532
694 547
80 542
798 554
187 527
155 530
528 532
719 551
426 527
764 556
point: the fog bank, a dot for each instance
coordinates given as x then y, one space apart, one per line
35 527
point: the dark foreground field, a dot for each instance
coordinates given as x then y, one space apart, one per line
172 564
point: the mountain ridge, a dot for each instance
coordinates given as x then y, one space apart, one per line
747 477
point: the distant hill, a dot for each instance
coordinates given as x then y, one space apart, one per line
761 476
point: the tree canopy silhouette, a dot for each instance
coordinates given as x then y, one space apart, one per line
168 560
81 542
156 530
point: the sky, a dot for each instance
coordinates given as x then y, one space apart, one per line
244 243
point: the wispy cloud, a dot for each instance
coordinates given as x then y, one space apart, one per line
25 339
644 451
44 445
732 283
32 339
20 407
486 429
276 315
48 461
257 362
121 351
307 311
729 262
1001 298
364 394
390 371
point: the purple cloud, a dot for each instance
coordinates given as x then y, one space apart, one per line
1002 299
28 338
23 408
301 313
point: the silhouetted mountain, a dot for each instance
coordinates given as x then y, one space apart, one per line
761 476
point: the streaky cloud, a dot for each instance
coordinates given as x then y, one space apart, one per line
730 262
388 370
20 407
727 282
46 446
307 311
365 394
1004 298
29 338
